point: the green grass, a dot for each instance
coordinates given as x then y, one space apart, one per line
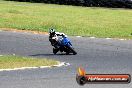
9 61
72 20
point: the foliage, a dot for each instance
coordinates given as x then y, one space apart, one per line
89 3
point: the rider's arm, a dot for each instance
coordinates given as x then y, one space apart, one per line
53 41
50 39
60 34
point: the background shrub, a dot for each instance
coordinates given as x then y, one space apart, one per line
88 3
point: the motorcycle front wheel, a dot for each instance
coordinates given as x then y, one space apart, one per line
72 50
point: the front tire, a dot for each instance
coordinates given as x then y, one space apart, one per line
72 50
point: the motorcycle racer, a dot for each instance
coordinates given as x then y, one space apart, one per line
54 38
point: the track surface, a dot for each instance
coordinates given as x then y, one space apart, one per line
95 55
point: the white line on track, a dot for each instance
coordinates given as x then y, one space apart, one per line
108 38
24 68
105 38
121 39
92 37
78 36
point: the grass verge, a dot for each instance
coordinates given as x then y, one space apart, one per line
72 20
9 62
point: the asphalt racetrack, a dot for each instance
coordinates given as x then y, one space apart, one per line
96 55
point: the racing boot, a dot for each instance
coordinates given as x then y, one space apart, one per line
55 50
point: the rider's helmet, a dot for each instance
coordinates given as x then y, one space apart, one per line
52 31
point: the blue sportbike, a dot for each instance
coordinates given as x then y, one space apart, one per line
63 44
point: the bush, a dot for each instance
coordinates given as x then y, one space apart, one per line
89 3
